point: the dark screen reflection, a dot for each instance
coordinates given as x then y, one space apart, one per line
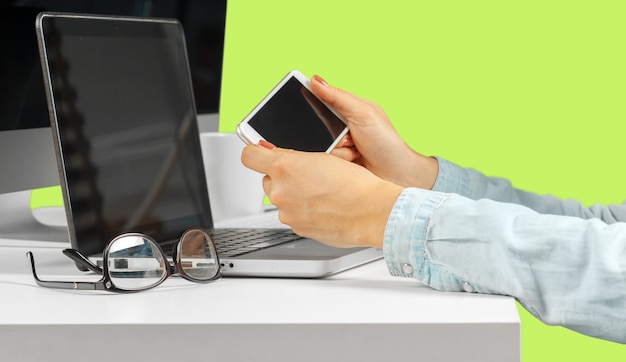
128 131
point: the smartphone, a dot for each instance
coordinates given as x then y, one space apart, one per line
292 117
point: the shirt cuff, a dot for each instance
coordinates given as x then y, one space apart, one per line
452 178
405 233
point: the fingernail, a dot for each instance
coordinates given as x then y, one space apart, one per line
266 144
320 79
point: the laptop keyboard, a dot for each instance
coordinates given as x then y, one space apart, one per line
235 242
265 220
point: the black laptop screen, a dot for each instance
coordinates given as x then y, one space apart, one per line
126 125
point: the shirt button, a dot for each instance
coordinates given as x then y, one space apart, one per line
407 269
467 287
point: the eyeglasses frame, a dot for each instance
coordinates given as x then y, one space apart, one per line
105 283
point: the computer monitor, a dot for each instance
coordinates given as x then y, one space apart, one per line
27 157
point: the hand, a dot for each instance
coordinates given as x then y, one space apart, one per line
373 141
324 197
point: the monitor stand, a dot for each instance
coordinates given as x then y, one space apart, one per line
18 222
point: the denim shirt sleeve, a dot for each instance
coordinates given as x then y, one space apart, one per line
566 270
474 185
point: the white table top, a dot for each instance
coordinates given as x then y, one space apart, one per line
366 300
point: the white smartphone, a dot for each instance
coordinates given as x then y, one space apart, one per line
292 117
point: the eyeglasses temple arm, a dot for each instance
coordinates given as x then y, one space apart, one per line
78 257
99 285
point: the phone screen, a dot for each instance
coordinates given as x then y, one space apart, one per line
294 118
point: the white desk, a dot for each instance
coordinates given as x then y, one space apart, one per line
359 315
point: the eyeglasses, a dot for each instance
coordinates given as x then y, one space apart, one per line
133 262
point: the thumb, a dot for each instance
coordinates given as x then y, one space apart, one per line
344 102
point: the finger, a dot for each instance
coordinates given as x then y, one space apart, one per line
347 153
267 144
281 218
267 185
347 141
257 158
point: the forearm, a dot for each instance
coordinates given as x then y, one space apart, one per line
565 270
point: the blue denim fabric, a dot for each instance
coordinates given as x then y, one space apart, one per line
564 262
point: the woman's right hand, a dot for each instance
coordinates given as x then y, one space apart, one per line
373 142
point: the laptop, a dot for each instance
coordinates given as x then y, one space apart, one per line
127 144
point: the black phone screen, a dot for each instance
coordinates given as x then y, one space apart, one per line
296 119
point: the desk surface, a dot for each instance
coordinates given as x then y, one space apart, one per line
362 314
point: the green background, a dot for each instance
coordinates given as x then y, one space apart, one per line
530 90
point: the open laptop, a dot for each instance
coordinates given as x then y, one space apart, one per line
123 117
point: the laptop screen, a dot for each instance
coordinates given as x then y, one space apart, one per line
126 127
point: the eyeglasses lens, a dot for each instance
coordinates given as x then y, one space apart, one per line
135 263
197 255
